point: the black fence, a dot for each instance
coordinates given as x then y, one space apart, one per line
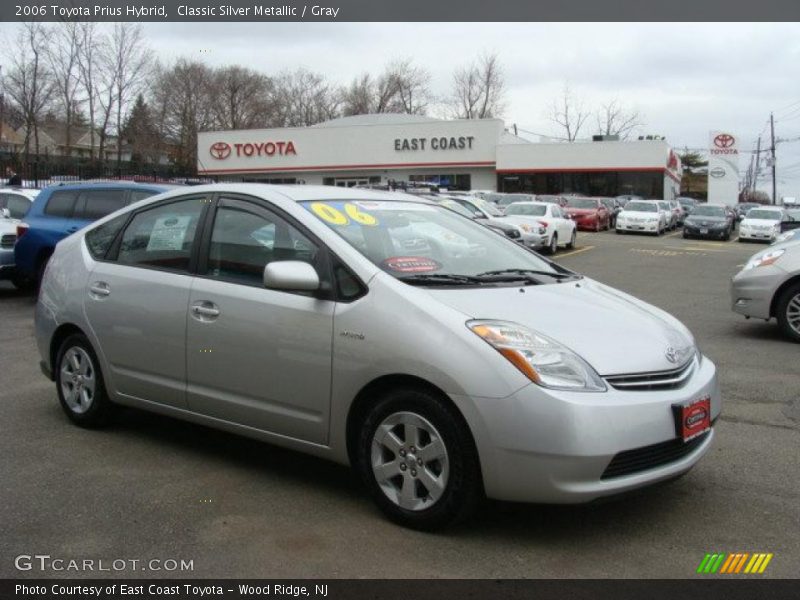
41 171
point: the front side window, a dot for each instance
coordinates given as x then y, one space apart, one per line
162 237
99 239
424 244
244 241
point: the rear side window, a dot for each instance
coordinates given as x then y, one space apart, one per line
17 205
162 237
99 239
61 204
96 204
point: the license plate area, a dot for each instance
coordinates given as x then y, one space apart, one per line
692 418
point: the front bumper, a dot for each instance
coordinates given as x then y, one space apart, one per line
768 235
7 268
707 232
646 227
540 445
586 223
533 240
752 290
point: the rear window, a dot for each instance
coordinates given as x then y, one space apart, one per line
61 204
99 203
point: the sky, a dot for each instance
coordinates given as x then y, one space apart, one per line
684 79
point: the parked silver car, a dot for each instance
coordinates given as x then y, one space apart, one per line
304 316
769 287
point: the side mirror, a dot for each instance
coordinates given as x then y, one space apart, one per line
291 275
479 215
5 213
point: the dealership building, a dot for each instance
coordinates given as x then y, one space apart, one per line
455 154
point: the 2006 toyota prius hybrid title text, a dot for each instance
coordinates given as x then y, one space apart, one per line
442 360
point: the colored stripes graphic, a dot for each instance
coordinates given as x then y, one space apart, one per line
736 562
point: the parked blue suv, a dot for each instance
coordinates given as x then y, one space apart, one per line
60 210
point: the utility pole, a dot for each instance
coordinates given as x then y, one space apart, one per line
772 149
758 163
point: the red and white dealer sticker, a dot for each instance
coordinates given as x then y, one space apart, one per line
411 264
693 419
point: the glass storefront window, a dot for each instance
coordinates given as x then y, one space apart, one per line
648 184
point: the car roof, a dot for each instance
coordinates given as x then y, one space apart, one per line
112 184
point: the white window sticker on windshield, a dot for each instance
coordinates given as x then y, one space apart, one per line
168 233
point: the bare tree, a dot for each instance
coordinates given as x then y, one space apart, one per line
87 60
182 107
479 89
242 98
615 119
62 55
569 114
357 98
29 83
412 87
301 98
129 60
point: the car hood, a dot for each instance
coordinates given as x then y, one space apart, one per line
746 222
637 213
615 332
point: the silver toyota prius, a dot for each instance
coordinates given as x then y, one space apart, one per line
441 360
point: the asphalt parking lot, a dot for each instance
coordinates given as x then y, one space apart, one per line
151 487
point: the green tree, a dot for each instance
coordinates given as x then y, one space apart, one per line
140 135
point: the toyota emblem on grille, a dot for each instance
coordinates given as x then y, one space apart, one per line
671 354
220 150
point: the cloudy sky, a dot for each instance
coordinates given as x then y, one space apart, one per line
684 79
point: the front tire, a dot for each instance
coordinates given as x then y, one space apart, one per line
788 312
418 460
79 382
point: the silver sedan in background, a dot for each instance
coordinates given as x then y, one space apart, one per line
328 320
769 287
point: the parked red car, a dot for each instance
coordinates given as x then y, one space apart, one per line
589 214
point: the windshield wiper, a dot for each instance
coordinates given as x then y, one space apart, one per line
442 279
527 272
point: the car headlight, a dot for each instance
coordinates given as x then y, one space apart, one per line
540 358
765 259
525 228
542 230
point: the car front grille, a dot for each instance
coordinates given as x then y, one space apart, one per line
650 457
7 241
655 380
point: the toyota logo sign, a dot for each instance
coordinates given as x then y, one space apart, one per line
220 150
724 140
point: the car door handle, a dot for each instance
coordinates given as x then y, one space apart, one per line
99 289
205 309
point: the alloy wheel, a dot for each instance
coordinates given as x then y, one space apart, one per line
409 461
77 379
793 313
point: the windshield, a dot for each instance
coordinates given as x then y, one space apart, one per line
581 203
507 199
640 207
708 211
549 199
528 210
760 213
425 241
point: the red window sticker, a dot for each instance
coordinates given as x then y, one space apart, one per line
411 264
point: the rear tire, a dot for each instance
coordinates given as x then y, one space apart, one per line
787 311
79 383
553 247
414 448
572 239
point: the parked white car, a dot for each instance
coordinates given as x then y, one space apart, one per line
670 216
14 203
761 224
560 230
642 216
